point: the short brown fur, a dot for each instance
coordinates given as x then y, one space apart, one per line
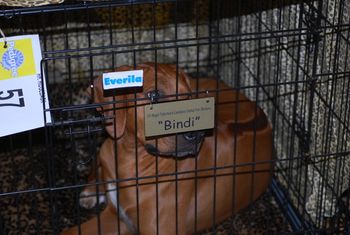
242 172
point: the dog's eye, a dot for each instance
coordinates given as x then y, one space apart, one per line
153 95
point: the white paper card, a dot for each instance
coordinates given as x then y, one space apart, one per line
123 79
21 99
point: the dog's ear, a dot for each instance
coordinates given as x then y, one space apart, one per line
170 70
186 77
116 127
115 114
232 106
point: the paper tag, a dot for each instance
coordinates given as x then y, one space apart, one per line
179 116
21 99
123 79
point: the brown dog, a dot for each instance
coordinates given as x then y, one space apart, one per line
178 184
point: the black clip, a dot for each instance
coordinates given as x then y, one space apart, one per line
153 96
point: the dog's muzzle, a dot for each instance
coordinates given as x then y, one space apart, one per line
187 144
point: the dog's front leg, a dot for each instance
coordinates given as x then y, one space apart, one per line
107 224
93 195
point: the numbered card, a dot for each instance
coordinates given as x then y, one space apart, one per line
23 95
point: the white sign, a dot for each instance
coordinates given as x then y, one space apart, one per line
123 79
21 86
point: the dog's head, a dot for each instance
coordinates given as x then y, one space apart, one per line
161 83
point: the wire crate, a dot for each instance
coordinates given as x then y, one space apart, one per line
289 57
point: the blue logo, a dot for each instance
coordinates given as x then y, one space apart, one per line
12 59
126 80
122 79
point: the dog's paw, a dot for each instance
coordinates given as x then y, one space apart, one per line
88 200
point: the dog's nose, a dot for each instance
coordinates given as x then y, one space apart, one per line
193 136
190 136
